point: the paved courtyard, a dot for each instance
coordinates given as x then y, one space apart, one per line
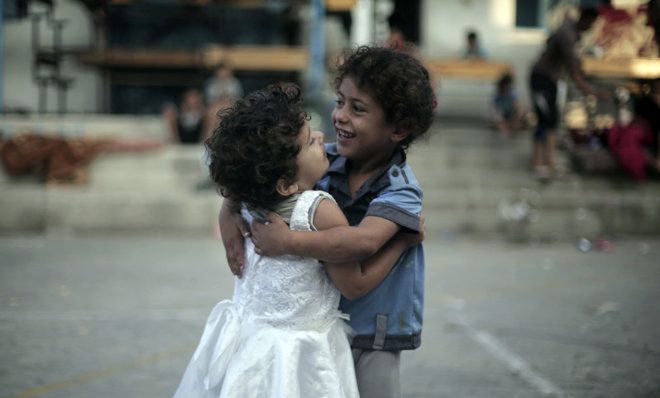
119 316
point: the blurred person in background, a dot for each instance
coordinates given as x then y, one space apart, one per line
508 114
633 140
473 49
187 122
653 18
558 57
220 91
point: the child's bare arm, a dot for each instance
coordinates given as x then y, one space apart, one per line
355 279
234 230
336 244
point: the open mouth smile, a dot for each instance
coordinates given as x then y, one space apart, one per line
344 134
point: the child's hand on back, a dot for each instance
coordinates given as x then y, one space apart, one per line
234 230
270 238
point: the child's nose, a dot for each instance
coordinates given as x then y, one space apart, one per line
339 114
318 136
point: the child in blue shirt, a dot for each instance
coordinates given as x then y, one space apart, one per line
508 115
385 102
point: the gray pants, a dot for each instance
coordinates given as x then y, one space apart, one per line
377 373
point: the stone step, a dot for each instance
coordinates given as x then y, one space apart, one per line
88 125
167 169
475 159
177 167
82 210
474 182
79 214
469 179
545 216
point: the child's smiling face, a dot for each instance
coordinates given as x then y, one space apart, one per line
312 160
360 125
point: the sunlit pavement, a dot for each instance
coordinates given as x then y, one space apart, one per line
119 316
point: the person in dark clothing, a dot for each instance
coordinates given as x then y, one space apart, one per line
653 18
187 122
557 58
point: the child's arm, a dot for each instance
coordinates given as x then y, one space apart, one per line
340 243
233 230
354 279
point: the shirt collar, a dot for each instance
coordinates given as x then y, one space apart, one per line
377 181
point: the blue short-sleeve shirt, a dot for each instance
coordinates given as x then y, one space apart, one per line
390 316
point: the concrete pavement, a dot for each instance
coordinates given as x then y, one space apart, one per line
119 316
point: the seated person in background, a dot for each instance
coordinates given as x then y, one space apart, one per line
187 123
507 112
220 91
632 140
473 49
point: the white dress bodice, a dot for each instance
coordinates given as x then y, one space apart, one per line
287 291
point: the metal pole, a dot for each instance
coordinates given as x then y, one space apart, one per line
2 52
316 51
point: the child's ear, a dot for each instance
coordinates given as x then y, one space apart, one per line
286 189
398 135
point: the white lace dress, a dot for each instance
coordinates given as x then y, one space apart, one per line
281 335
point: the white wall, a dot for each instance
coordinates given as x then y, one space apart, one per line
445 23
18 88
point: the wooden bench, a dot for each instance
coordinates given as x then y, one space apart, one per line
250 58
158 59
467 69
243 58
268 58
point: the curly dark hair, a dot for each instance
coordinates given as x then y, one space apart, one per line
398 82
255 145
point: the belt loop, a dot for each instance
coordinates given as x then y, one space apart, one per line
381 332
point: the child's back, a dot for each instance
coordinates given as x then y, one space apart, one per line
287 291
281 335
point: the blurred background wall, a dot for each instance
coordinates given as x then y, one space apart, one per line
20 91
509 30
443 25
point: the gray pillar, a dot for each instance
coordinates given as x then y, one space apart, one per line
2 51
316 52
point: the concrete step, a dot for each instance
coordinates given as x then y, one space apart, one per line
474 182
170 168
89 125
513 179
178 207
550 215
81 210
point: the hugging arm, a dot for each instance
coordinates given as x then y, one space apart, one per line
355 279
337 243
341 243
234 230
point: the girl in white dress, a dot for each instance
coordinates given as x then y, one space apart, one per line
281 334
